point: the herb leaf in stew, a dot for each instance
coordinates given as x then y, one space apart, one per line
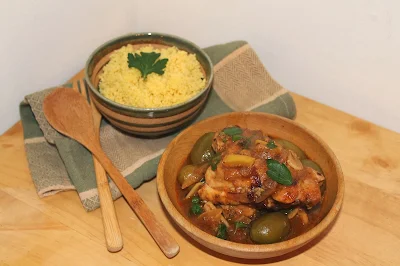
196 208
279 172
231 131
271 144
222 231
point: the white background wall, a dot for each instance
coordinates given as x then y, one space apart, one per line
344 53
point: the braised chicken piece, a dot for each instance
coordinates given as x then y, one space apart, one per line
238 213
215 196
305 190
248 176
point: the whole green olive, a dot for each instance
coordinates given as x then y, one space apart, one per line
291 146
270 228
186 172
312 164
202 150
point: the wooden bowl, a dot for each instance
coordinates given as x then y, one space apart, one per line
151 122
178 150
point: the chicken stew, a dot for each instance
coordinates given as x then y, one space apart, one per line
244 186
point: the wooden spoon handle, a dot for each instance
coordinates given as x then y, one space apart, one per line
112 233
163 239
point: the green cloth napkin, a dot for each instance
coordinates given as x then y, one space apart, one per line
57 163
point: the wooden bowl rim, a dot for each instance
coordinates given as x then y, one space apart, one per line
156 109
253 248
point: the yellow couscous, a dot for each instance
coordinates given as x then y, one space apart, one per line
182 79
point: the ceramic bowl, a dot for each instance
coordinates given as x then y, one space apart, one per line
146 121
178 150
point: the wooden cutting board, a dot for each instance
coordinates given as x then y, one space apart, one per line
57 231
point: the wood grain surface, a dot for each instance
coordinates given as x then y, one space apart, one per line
57 231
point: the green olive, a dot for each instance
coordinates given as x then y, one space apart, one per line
312 164
291 146
270 228
202 150
186 172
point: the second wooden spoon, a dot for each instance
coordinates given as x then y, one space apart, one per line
71 115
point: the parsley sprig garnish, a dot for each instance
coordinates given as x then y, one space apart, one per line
147 63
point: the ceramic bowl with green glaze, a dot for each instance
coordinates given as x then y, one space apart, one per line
151 122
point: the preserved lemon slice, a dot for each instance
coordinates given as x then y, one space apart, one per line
235 160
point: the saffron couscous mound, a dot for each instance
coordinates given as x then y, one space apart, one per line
182 79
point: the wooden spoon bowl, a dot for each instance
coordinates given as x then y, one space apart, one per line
178 150
71 115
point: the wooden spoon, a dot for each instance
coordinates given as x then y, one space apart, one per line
71 115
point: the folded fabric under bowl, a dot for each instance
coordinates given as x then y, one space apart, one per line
57 163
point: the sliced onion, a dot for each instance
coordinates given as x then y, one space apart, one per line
214 215
294 161
224 220
208 206
293 213
194 190
303 216
190 180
